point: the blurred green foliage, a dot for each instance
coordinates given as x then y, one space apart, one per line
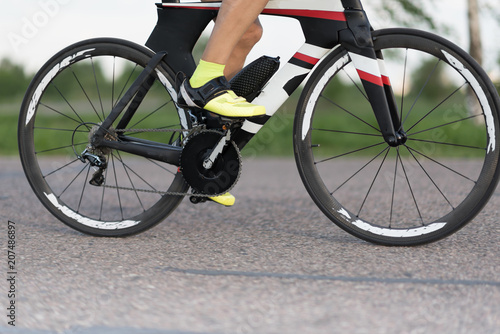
13 81
274 139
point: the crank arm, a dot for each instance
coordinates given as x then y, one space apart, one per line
209 162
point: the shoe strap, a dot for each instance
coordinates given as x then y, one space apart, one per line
211 89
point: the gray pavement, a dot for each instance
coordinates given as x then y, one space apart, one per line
271 264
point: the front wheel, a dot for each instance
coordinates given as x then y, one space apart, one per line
418 192
65 103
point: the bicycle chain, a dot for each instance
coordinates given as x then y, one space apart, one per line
193 130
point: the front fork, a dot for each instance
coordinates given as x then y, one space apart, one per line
369 63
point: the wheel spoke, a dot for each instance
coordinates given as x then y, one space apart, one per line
119 158
97 87
86 95
410 187
349 153
60 168
101 204
405 68
162 167
348 132
67 102
83 189
113 78
445 124
151 114
350 113
430 178
74 179
421 92
361 169
387 150
125 85
117 186
393 192
435 108
449 144
441 164
60 148
78 121
59 129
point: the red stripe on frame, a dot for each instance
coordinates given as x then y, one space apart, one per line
320 14
370 78
306 58
386 80
192 7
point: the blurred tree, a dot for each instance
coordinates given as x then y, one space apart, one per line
400 11
476 45
13 80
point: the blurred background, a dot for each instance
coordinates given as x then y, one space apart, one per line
32 31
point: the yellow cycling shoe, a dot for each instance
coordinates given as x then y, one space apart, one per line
230 105
217 97
227 199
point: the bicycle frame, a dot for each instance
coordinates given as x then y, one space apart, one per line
326 24
97 99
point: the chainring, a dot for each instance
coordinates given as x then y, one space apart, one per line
225 171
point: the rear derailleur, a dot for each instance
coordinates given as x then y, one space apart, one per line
98 162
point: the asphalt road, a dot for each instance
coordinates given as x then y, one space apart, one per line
270 264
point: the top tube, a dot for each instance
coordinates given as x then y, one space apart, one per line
324 5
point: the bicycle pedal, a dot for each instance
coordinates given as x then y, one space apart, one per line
217 122
197 200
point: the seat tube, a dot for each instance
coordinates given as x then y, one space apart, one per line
357 40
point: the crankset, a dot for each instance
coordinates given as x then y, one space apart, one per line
211 162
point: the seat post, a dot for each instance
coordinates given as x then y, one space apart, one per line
352 4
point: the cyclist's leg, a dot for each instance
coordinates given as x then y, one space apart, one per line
234 65
232 53
234 19
208 88
242 49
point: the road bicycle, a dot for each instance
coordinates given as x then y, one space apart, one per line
396 132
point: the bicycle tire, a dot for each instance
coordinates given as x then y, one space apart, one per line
419 192
72 93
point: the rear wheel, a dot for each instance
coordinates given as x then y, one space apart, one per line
68 98
434 183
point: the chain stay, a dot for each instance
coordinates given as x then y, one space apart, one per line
193 130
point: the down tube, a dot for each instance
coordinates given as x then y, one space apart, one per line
279 89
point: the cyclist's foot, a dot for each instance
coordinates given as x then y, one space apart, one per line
216 96
227 199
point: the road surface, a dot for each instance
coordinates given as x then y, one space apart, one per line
271 264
